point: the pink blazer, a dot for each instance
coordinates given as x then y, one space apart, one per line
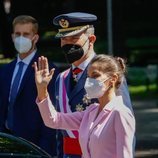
108 135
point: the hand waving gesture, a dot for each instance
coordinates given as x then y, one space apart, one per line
42 76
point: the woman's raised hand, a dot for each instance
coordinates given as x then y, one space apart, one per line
42 76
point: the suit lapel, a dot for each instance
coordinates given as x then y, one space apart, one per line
28 73
79 86
67 82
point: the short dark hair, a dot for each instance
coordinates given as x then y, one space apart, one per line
24 19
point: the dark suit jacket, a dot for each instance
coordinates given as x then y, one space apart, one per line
28 123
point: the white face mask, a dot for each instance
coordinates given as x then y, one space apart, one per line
95 88
22 44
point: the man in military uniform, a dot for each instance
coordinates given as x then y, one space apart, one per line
76 31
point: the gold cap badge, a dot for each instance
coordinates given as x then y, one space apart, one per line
64 23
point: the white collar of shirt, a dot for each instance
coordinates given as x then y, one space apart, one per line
28 59
83 65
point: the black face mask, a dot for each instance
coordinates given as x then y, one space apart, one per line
73 52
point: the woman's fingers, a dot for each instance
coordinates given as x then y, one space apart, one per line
43 63
51 73
42 67
39 63
35 67
46 66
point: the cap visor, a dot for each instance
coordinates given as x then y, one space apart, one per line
70 33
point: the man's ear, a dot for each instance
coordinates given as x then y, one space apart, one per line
92 39
36 38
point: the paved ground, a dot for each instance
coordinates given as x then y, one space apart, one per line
146 113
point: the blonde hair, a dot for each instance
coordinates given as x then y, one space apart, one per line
110 65
25 19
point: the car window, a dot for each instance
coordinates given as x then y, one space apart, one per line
14 147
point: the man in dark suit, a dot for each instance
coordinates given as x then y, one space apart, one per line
19 114
77 35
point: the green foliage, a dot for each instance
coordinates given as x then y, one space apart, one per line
137 76
144 91
4 61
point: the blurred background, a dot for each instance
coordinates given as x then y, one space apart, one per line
126 28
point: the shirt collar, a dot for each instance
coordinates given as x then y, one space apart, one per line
28 59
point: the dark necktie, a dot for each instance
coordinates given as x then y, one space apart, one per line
13 94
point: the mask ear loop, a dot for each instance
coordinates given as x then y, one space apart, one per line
83 43
85 52
33 42
108 87
105 80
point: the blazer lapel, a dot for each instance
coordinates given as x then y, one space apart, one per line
103 116
99 119
92 116
28 73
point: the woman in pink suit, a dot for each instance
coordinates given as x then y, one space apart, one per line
106 130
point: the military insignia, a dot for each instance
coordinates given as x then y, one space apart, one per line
79 107
64 23
57 97
86 99
75 78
